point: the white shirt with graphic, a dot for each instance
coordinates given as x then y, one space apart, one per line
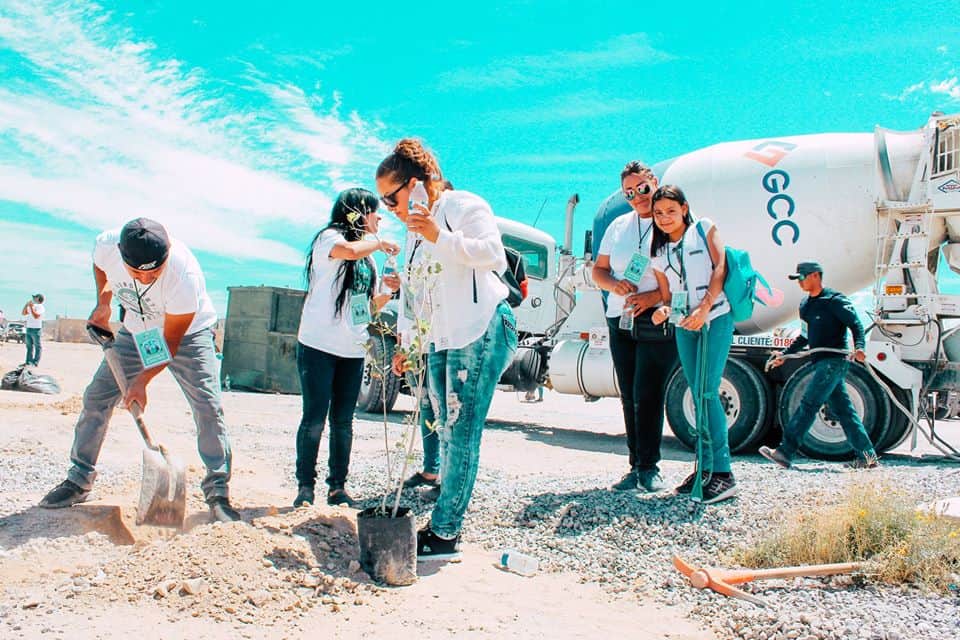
35 323
180 289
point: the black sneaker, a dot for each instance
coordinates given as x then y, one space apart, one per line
432 494
629 482
341 497
718 489
304 497
65 494
686 487
221 510
419 480
430 546
650 481
775 455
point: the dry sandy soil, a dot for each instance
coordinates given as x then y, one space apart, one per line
90 572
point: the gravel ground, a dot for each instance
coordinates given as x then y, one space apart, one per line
559 511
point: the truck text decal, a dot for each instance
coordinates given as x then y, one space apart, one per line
781 205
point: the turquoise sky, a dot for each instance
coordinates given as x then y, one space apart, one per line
236 123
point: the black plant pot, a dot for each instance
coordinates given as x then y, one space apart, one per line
388 546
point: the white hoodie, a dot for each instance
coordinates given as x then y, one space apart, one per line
469 249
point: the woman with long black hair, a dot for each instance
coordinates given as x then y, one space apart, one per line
341 281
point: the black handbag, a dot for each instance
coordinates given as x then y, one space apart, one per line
645 331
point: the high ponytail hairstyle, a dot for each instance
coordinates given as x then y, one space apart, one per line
667 192
410 159
349 217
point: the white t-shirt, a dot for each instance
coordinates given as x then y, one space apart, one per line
620 241
35 323
180 289
320 327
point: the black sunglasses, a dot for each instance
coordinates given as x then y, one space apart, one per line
630 194
390 199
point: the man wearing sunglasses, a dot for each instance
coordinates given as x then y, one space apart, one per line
825 317
167 323
643 355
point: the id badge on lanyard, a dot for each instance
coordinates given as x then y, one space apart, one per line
637 268
152 348
360 309
678 306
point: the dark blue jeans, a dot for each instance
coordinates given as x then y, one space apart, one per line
462 384
827 387
33 346
329 385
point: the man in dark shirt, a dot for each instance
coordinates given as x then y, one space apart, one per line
825 315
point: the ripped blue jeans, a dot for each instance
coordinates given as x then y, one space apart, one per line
462 384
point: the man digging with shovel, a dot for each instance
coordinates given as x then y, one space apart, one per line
168 321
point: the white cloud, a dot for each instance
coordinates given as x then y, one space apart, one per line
625 51
106 130
949 87
575 106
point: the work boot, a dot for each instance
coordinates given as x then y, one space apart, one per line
221 510
304 497
777 456
65 494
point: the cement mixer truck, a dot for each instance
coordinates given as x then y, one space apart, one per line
878 210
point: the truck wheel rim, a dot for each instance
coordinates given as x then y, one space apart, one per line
828 430
729 400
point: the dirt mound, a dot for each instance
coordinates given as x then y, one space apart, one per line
253 573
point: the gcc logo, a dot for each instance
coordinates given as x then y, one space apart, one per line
770 153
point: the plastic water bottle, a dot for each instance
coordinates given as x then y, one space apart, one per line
519 563
226 383
389 269
418 195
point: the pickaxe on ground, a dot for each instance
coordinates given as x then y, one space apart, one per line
723 580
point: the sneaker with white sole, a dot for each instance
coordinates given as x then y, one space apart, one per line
430 546
629 482
718 489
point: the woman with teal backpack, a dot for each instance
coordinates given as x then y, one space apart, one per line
689 261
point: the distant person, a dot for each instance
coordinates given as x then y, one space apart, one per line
535 395
644 356
162 292
33 312
3 324
690 265
341 281
825 315
472 330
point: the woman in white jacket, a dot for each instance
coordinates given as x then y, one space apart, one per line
472 335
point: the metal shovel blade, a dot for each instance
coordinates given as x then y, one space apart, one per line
163 491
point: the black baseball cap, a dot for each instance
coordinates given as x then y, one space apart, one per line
144 244
804 269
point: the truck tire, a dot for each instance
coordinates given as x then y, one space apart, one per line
372 397
826 440
746 397
899 423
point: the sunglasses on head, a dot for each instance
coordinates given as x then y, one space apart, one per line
642 190
390 199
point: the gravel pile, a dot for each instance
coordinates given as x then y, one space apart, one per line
625 541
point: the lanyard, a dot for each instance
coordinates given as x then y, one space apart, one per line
682 273
140 294
642 235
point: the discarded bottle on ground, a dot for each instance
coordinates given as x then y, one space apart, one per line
519 563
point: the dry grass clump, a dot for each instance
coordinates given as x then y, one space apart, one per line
873 523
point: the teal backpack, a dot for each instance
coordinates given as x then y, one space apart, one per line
740 283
